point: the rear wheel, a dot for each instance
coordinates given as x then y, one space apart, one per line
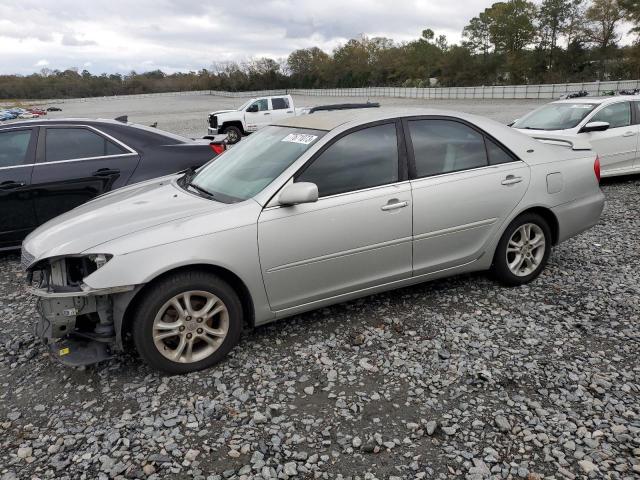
187 322
234 135
523 250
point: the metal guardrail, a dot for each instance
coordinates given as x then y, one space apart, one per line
544 91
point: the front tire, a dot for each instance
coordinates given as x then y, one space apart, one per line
188 321
523 250
234 135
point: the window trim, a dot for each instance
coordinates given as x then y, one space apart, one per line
31 148
41 150
400 145
413 175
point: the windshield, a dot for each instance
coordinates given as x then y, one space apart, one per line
248 167
555 116
245 104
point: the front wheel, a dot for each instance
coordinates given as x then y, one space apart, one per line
523 250
187 322
234 135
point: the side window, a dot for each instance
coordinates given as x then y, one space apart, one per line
262 104
497 154
280 103
70 143
362 159
13 147
443 146
616 115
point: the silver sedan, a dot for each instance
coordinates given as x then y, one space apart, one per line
313 211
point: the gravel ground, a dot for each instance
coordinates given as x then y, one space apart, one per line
187 114
458 378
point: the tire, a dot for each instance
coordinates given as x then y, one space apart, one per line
510 268
234 134
160 328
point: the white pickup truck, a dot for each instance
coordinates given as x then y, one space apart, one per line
251 116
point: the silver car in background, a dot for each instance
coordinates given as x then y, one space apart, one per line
316 210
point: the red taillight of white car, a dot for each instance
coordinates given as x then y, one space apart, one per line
217 147
596 168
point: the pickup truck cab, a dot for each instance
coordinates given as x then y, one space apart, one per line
251 116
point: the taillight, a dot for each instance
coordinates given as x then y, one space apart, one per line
217 147
596 168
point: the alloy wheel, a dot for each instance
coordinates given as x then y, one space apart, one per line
190 326
525 250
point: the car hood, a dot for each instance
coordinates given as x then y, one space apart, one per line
123 212
218 112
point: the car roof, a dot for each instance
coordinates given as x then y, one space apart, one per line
598 100
331 120
92 122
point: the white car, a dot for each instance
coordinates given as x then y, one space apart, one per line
610 124
251 116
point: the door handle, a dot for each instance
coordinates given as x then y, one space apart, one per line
106 172
267 113
511 180
289 111
628 134
10 185
393 205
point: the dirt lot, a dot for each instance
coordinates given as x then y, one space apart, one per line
458 378
187 114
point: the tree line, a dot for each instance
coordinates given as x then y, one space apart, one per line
511 42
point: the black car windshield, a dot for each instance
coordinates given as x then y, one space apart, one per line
248 167
555 116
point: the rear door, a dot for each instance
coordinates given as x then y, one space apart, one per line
617 145
280 108
17 217
464 185
75 164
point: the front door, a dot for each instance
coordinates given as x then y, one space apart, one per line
76 164
357 235
258 115
617 145
464 187
17 218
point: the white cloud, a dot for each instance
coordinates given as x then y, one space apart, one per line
182 35
42 63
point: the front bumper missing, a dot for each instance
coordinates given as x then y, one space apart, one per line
78 326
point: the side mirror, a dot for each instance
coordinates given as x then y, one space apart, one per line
252 108
595 127
295 193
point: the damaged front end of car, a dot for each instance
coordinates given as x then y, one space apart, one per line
76 321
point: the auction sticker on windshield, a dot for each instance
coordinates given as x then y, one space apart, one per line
303 138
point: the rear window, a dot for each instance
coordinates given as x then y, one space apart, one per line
280 103
13 147
445 146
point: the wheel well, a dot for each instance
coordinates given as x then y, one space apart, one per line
228 276
233 124
550 218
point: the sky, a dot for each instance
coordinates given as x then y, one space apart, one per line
183 35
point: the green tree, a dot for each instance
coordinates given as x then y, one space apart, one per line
602 20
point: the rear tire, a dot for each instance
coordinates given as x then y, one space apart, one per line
188 321
523 250
234 134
